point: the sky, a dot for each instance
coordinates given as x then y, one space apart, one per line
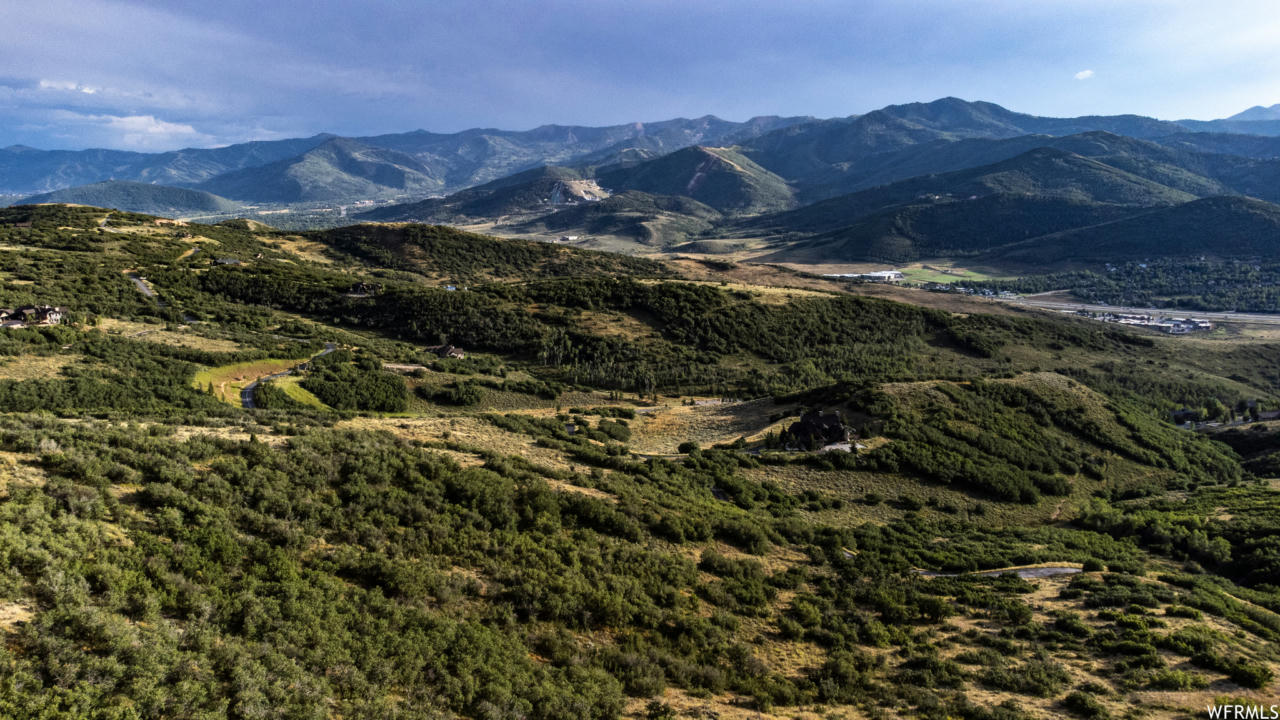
154 76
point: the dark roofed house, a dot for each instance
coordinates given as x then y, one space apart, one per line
32 315
448 351
815 430
51 315
364 289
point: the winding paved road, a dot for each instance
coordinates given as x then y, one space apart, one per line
246 395
144 288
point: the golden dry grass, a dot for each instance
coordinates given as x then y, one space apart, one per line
761 293
157 333
562 486
472 432
465 431
728 706
906 389
35 367
615 324
303 249
661 430
235 433
19 469
948 302
12 613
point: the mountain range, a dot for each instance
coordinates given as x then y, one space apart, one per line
906 182
454 160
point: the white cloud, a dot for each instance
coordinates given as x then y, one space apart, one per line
67 86
1084 75
134 132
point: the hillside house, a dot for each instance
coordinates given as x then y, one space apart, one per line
815 430
31 315
364 289
448 351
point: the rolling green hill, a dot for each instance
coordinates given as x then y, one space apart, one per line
948 228
649 219
1253 146
533 191
721 178
597 514
337 170
963 212
1047 233
139 197
1040 174
1175 167
444 253
1219 227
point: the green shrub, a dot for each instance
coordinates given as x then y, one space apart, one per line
1085 706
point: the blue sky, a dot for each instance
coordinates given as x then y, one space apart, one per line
158 76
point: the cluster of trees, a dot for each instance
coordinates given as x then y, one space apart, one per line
1244 548
1245 286
50 217
345 380
805 342
253 572
1018 443
443 252
113 375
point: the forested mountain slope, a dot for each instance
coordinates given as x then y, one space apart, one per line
139 197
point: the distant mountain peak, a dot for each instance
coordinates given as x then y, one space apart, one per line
1256 113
